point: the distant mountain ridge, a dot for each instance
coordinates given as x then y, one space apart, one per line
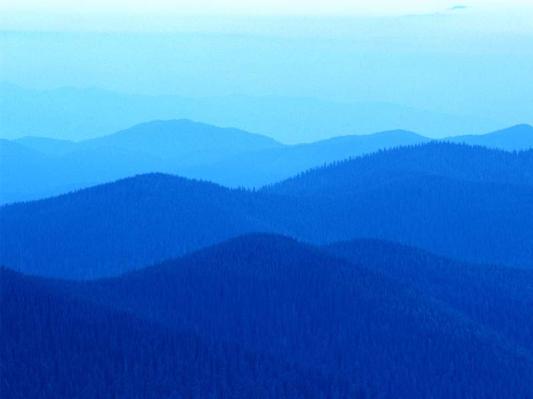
80 114
183 141
464 202
259 168
56 166
435 158
230 157
519 137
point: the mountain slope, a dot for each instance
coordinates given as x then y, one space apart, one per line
183 141
272 294
472 221
464 202
226 156
24 172
460 162
55 166
47 146
480 214
514 138
498 297
255 169
53 346
112 228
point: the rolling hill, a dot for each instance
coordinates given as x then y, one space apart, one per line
459 162
54 346
52 167
112 228
47 146
183 142
463 202
230 157
497 297
466 203
274 295
258 168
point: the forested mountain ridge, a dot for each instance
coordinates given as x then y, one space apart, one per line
230 157
53 347
275 295
498 297
483 214
112 228
455 161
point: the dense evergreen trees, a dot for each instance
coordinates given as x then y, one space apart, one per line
273 295
55 347
500 298
464 202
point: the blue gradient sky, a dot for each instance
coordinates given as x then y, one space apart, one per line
472 58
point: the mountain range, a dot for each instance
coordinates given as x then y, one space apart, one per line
88 351
512 139
380 266
79 114
257 312
464 202
36 167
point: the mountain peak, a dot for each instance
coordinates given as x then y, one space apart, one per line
513 138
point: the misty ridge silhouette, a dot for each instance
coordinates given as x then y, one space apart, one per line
177 259
37 167
266 200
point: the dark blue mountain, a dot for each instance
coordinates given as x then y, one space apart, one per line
54 346
482 213
463 202
109 229
497 297
514 138
274 295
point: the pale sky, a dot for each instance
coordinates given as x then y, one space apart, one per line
226 16
292 7
455 56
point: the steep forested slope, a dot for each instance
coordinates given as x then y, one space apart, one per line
55 347
465 202
460 162
498 297
468 208
115 227
272 294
